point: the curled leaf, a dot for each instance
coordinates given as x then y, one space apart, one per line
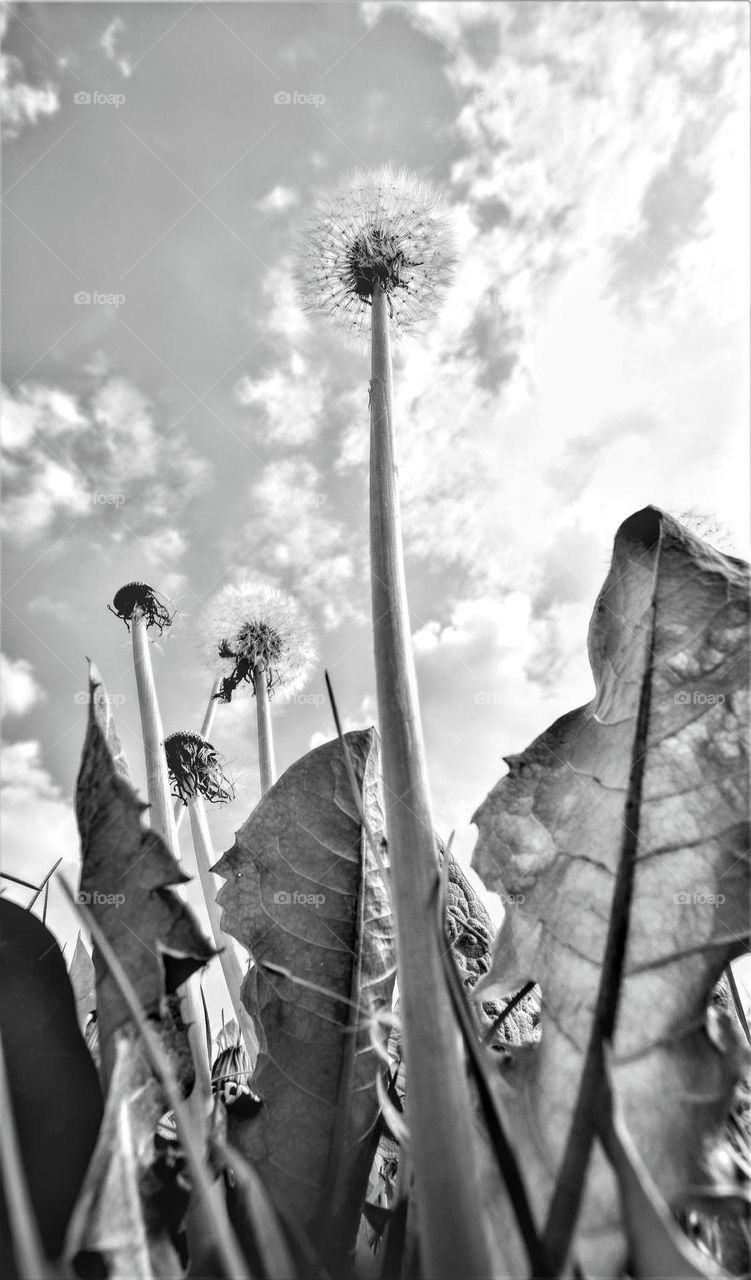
620 839
126 880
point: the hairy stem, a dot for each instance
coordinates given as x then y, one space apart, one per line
231 968
162 821
266 762
452 1229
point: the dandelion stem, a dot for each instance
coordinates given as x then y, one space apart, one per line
231 968
162 822
432 1045
266 762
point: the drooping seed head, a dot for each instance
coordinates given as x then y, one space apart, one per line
380 227
196 769
230 1081
139 595
250 629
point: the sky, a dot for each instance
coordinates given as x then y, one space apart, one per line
173 416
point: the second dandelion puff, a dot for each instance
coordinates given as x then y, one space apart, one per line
256 635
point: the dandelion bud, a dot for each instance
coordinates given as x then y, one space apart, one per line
139 595
379 228
196 769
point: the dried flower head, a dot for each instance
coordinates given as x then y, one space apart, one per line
197 769
379 227
249 627
230 1081
139 595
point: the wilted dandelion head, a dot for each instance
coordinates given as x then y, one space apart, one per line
379 227
139 595
196 769
250 627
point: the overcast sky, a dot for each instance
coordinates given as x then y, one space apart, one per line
189 426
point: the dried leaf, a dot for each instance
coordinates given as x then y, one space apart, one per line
83 982
620 840
307 900
125 879
120 1211
57 1100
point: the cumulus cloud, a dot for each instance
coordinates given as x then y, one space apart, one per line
23 103
38 827
290 400
68 456
301 545
18 685
278 199
109 43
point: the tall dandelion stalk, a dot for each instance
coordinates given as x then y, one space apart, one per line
376 260
141 608
256 637
197 773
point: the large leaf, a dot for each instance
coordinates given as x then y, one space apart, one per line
305 897
620 838
126 880
120 1215
57 1100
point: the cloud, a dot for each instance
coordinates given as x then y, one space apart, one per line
23 103
20 688
38 827
294 540
105 456
278 199
485 676
109 43
290 401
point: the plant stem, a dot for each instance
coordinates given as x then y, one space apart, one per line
452 1228
162 822
231 968
178 809
266 762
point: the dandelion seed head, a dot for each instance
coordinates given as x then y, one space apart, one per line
252 626
196 768
379 227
